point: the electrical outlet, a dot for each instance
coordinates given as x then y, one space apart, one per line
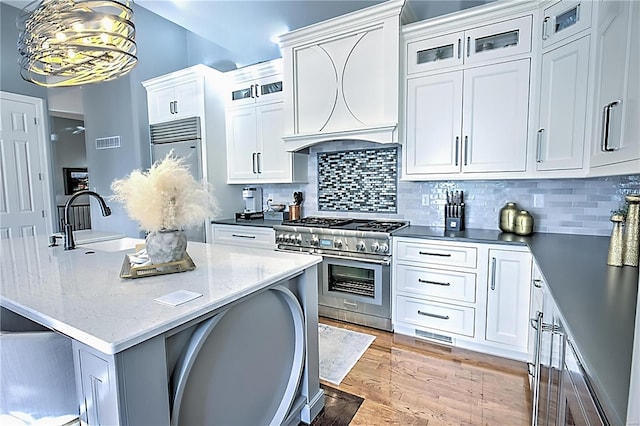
425 199
538 200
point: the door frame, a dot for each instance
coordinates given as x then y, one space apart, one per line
44 147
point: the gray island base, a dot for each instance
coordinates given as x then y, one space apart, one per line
245 352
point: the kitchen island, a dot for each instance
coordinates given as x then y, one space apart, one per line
248 345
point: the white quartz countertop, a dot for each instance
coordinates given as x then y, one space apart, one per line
82 295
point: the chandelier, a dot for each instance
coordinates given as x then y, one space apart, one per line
72 42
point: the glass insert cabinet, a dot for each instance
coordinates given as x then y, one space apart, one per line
256 91
564 19
477 44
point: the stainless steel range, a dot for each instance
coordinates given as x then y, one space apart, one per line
355 277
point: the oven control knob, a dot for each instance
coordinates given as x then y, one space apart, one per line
279 238
299 239
375 247
361 246
287 238
384 248
337 244
315 242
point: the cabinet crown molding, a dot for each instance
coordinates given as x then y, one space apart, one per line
195 71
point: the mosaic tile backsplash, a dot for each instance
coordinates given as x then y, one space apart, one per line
567 206
364 180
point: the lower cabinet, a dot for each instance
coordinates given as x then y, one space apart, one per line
468 295
241 235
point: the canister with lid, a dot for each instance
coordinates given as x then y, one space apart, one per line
508 217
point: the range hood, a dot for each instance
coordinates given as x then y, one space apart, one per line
342 76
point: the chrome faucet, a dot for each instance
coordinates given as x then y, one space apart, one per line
69 243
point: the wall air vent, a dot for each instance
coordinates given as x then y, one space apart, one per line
108 142
434 336
186 129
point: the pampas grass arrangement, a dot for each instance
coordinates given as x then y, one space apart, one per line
166 197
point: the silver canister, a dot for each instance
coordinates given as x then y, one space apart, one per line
614 258
632 231
523 223
508 217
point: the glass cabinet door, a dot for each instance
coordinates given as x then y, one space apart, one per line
506 38
434 53
565 19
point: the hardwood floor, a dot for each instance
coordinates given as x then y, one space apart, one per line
407 381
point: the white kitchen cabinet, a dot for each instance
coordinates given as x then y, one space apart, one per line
434 290
562 122
478 44
342 78
508 296
255 149
256 152
180 98
471 121
564 19
617 93
244 235
259 90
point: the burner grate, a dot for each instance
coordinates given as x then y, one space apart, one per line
319 222
380 226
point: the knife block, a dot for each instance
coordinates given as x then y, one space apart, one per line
454 223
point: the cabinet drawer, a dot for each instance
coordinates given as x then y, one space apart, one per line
440 316
452 285
436 254
249 236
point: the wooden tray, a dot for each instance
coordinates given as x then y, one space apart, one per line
184 265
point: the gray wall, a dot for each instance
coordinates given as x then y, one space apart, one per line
574 206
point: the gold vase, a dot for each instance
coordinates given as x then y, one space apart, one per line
614 257
523 223
632 231
508 217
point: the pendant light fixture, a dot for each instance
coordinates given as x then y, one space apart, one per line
73 42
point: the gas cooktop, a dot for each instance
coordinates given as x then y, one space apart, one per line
347 224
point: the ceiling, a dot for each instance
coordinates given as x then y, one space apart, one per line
244 29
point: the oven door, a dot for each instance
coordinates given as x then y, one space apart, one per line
356 285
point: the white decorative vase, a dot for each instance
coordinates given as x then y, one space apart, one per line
166 246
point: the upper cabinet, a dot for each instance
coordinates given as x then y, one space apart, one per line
615 145
467 99
173 99
564 19
342 78
256 152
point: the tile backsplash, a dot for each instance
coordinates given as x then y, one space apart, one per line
571 206
363 180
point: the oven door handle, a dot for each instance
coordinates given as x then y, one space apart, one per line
385 262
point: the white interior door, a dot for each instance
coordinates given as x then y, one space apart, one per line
23 208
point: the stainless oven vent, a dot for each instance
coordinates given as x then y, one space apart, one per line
175 131
434 336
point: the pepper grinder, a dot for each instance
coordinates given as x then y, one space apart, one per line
632 231
615 245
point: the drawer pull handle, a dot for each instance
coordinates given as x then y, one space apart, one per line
426 253
427 314
420 280
350 304
253 237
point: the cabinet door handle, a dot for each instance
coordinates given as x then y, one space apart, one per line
459 48
537 283
536 370
545 27
468 46
429 314
466 149
259 160
251 237
493 273
426 253
175 106
257 92
171 108
606 126
539 146
457 148
420 280
253 161
251 92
